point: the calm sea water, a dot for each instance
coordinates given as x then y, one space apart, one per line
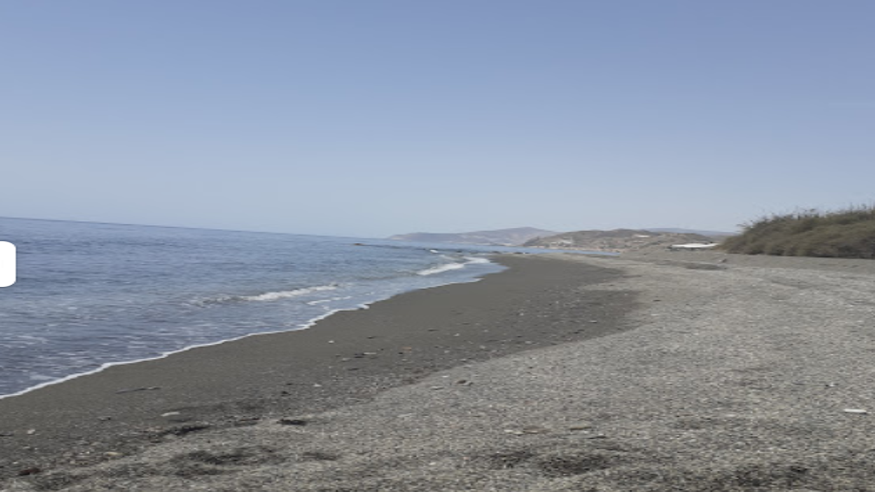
91 294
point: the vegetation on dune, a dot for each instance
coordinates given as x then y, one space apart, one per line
847 233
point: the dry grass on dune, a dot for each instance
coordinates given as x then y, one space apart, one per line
847 233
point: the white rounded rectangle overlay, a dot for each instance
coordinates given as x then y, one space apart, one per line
7 264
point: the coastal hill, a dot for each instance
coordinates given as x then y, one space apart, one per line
616 241
714 235
500 237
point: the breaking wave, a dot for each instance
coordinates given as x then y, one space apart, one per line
267 296
452 266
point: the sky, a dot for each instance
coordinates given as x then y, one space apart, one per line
371 118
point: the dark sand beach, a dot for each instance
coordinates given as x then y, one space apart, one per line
653 372
345 359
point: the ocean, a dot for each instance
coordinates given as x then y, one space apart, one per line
90 295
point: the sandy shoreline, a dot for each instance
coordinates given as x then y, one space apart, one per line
702 372
345 359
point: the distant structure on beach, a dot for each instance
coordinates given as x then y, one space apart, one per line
616 241
500 237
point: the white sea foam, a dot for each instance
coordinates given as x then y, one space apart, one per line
283 294
323 301
451 266
267 296
440 269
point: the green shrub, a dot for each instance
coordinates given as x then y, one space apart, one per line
848 233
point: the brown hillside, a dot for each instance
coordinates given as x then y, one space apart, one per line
615 241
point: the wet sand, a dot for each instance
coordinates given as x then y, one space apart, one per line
657 372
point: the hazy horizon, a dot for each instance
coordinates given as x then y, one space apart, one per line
368 119
327 235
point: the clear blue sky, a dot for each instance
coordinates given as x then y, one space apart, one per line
369 118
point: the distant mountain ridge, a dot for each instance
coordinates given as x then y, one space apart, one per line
615 241
499 237
692 231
